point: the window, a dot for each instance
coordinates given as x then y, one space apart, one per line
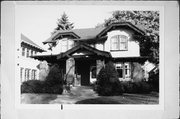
119 42
27 53
25 74
127 70
33 74
67 44
21 73
119 68
93 72
31 52
123 70
23 51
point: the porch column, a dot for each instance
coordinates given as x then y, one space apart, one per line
70 70
99 65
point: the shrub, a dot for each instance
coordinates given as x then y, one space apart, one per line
52 85
32 86
141 87
54 77
108 82
154 81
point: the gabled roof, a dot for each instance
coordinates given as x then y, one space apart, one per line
84 47
92 33
88 33
122 24
26 40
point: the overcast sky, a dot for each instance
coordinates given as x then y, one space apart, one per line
38 21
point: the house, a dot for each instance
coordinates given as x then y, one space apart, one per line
83 52
28 65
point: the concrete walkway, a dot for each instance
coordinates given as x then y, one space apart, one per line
76 94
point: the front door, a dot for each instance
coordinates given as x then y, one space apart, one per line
83 69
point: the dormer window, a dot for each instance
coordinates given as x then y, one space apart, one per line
67 44
119 42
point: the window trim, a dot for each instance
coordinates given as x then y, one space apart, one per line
124 69
119 41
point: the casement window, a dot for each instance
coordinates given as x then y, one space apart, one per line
119 42
123 69
23 51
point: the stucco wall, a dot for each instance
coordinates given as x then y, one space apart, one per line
133 46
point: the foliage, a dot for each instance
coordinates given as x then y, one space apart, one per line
54 77
148 21
52 85
154 80
62 24
32 86
136 87
107 81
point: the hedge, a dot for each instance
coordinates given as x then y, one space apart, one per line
52 85
136 87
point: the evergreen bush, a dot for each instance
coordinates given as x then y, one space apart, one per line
107 81
141 87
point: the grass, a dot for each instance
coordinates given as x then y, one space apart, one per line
124 99
86 95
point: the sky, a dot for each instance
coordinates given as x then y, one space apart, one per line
38 21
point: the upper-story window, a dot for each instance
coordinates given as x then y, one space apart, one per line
31 52
23 51
67 44
119 42
27 53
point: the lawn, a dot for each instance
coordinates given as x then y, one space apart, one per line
85 95
124 99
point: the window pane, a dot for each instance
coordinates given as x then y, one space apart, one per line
123 42
127 70
23 51
27 52
114 43
93 70
120 73
31 52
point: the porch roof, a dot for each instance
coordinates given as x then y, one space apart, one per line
79 48
84 47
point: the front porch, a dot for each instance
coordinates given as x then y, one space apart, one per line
79 65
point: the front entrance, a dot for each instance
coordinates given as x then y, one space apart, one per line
83 69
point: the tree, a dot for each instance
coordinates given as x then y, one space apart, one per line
147 21
62 24
107 81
